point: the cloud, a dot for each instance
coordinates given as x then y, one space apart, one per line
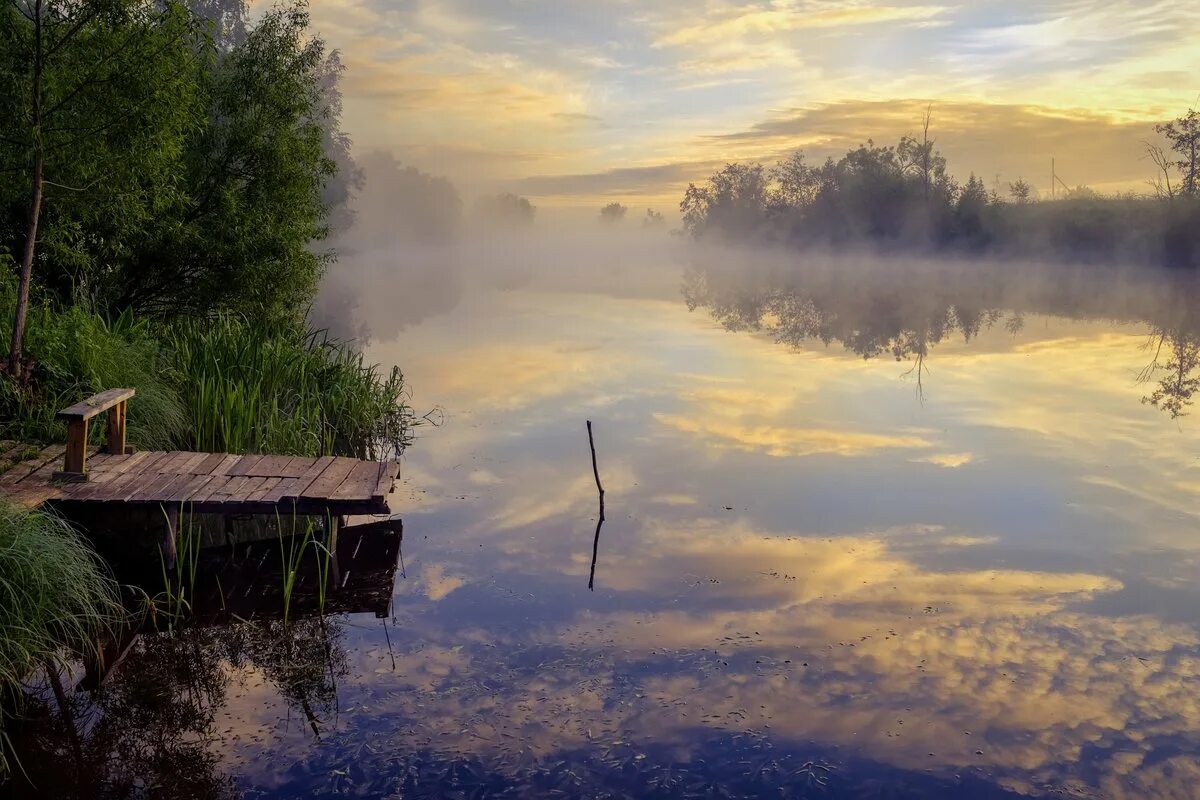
727 24
948 460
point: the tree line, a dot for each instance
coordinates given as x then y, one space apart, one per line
904 194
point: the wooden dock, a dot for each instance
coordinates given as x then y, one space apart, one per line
200 482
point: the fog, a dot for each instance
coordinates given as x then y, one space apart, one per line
416 246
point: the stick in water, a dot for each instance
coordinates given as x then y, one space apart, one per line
600 521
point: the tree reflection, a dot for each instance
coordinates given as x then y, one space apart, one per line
1180 371
150 730
907 310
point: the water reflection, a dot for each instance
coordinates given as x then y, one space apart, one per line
906 309
815 583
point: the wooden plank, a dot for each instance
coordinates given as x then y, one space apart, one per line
11 451
269 466
250 487
296 467
45 456
267 485
213 460
203 494
198 484
231 489
386 481
122 464
360 483
329 479
190 465
148 491
86 409
287 491
315 471
246 464
106 491
174 462
95 483
170 491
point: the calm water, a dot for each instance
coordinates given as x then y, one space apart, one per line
927 539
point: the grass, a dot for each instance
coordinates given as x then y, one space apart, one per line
76 353
55 595
250 389
224 384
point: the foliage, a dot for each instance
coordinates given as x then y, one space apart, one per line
53 595
613 213
75 354
404 204
249 387
883 196
259 156
1183 136
162 141
107 94
505 210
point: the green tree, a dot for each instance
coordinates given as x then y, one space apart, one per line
255 176
96 101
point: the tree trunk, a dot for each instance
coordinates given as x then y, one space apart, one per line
35 201
22 310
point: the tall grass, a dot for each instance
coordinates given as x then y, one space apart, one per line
76 353
250 388
54 594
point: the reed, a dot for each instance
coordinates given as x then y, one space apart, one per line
250 387
55 598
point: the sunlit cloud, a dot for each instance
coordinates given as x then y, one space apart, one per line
563 100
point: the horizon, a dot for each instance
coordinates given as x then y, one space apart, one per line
574 105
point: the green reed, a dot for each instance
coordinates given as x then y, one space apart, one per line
54 596
251 387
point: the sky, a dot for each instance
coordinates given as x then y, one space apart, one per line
575 103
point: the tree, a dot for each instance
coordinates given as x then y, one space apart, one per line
1183 134
733 202
504 210
613 213
1020 191
260 156
83 86
653 219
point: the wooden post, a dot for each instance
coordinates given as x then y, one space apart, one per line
74 464
116 429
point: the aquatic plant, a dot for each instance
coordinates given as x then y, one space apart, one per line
55 596
253 387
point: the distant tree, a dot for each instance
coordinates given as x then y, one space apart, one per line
1020 191
1183 134
1163 166
796 183
404 204
96 100
347 180
1082 192
613 213
653 219
969 210
504 210
733 202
